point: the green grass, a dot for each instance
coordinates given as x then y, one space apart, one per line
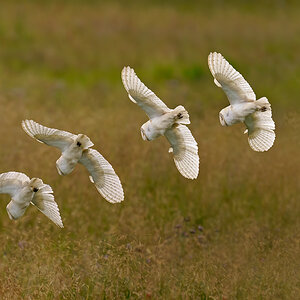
60 65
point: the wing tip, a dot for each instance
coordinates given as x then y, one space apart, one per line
125 68
213 59
27 127
213 55
188 167
25 124
263 141
125 71
60 224
112 193
127 74
191 177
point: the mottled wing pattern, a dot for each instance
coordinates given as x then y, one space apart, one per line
236 88
260 129
185 150
103 176
44 201
12 182
49 136
141 95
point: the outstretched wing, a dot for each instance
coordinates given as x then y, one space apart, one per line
103 175
44 201
185 150
260 129
231 81
49 136
12 182
141 95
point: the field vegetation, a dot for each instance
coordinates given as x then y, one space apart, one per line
234 233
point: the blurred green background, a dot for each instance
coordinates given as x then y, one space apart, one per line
231 234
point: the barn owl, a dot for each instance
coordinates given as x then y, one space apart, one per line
255 114
164 121
24 191
77 148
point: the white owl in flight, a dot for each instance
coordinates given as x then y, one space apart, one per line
164 121
77 148
24 191
256 114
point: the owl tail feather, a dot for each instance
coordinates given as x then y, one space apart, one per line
181 116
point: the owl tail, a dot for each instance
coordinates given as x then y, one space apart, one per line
261 135
181 116
84 141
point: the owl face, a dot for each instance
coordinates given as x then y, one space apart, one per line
82 141
35 184
222 119
143 132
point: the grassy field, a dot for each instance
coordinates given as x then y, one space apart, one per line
234 233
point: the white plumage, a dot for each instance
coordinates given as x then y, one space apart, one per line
77 149
255 114
24 191
164 121
185 150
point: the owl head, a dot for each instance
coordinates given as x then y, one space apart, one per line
83 141
35 184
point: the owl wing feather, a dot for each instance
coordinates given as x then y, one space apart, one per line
141 95
49 136
12 182
236 88
103 176
44 201
260 129
185 150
